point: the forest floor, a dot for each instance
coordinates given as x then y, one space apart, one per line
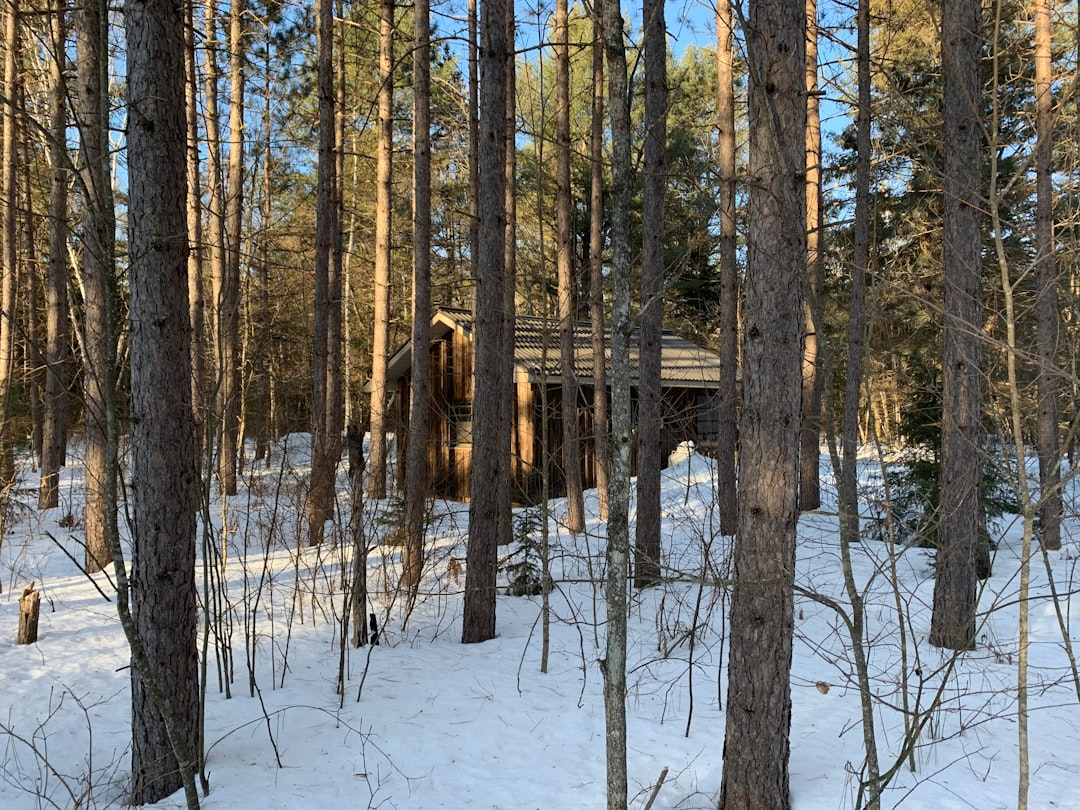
426 722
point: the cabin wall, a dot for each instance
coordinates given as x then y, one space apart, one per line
450 427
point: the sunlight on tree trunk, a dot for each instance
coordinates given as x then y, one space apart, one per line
961 465
727 393
571 441
756 745
654 183
486 501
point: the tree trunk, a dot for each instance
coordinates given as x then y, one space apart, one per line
490 329
564 260
216 254
618 529
323 466
164 480
1046 306
601 426
376 487
229 303
953 623
860 265
96 231
647 546
810 452
196 253
729 280
756 745
416 468
54 438
9 280
506 369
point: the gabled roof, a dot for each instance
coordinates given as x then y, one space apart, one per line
683 364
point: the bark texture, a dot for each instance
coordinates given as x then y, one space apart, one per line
729 280
654 182
380 336
1046 305
486 500
416 467
953 623
756 745
96 229
164 481
618 539
564 259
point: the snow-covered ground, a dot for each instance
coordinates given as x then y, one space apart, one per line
426 722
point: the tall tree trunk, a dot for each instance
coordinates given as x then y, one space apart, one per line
1046 306
380 339
196 251
729 280
335 370
490 329
96 229
9 281
601 426
321 486
416 467
31 283
216 253
647 546
564 260
261 383
54 439
474 136
810 452
860 266
506 370
953 623
756 745
164 479
613 665
229 303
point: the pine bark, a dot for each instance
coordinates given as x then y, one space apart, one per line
953 623
416 467
96 229
810 452
649 462
860 266
727 394
164 477
756 745
380 338
601 422
323 462
9 279
196 252
564 259
1046 305
486 500
54 428
229 303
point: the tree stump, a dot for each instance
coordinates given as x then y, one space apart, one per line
29 609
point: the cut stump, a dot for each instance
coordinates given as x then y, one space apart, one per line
29 609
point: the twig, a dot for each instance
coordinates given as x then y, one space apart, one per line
79 565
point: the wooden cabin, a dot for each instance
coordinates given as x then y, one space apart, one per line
689 375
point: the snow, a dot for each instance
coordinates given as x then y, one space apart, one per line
426 722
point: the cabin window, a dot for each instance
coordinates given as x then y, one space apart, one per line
461 422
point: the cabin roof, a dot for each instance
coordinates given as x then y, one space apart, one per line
536 352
